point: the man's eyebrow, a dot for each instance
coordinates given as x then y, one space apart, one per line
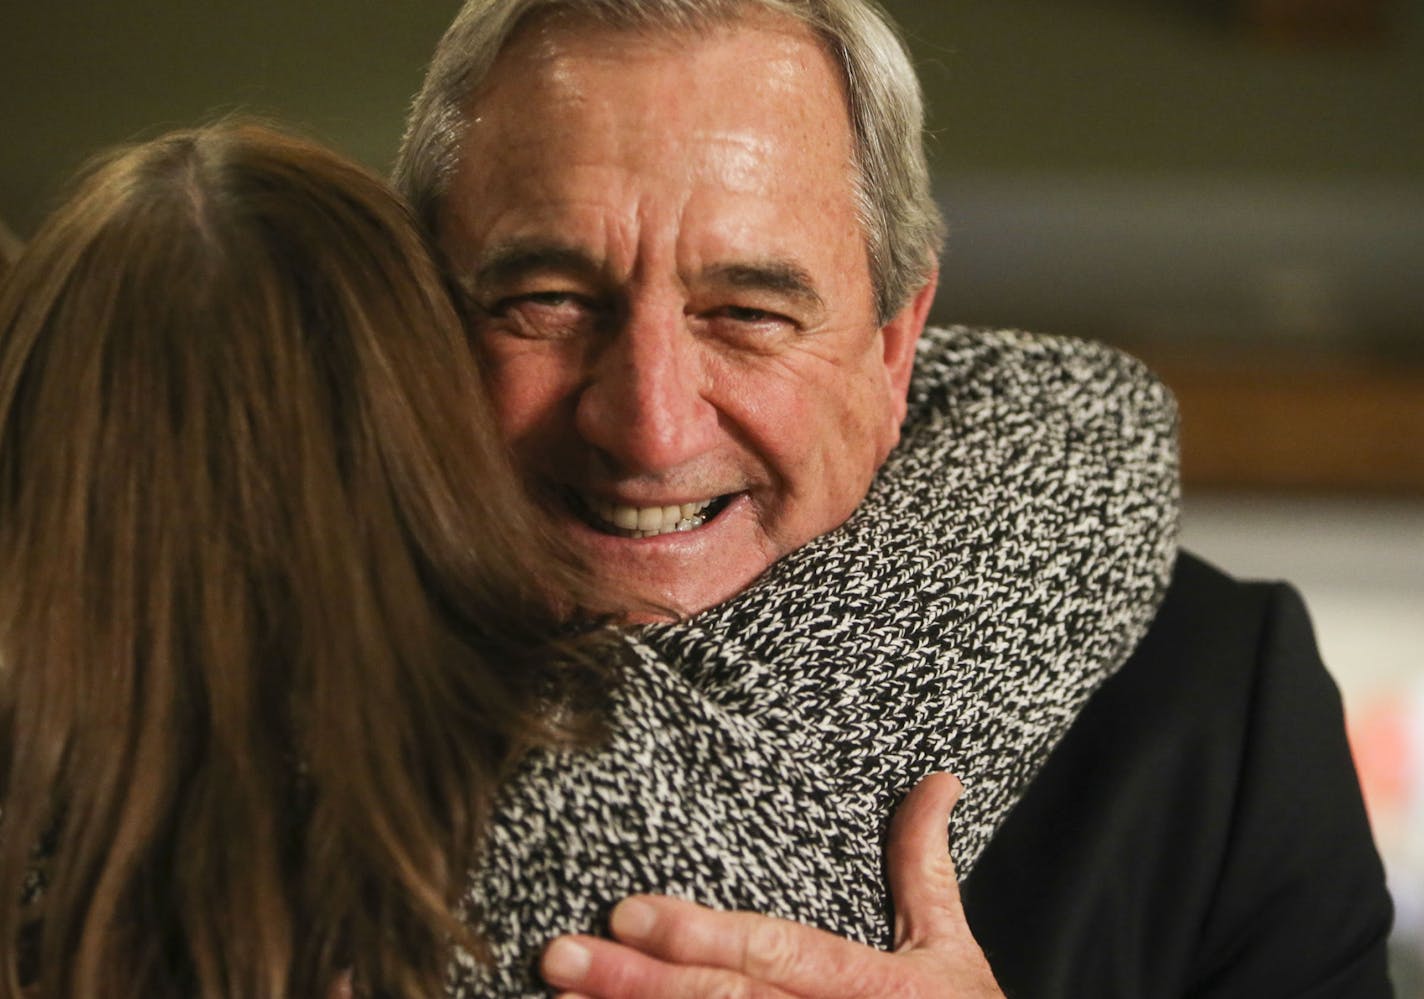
508 261
778 276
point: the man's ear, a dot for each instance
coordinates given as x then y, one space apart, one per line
899 337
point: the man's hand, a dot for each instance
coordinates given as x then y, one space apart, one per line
667 947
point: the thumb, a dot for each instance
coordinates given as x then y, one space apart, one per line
923 884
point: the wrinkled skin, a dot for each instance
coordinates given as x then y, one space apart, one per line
660 231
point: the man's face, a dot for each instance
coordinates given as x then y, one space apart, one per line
679 318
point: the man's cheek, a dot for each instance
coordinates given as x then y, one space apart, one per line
865 411
529 392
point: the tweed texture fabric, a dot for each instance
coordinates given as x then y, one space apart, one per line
1007 559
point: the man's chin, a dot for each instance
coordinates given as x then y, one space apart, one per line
649 589
674 575
672 600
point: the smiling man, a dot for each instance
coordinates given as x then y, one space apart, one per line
689 356
700 247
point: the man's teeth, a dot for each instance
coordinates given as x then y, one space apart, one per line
649 521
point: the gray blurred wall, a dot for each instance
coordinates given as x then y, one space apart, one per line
1110 167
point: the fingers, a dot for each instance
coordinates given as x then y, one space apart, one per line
799 959
675 947
604 969
923 884
671 947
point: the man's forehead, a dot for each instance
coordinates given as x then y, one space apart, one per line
731 101
546 44
707 153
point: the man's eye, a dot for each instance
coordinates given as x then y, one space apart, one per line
749 326
544 315
745 314
548 301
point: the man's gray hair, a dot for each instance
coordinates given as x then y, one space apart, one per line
902 224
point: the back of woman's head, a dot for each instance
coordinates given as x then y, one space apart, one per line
273 613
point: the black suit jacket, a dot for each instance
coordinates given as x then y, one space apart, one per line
1199 831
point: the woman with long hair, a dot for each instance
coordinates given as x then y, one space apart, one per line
274 615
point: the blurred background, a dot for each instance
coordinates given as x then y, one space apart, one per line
1231 189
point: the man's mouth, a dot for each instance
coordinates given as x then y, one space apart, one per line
647 521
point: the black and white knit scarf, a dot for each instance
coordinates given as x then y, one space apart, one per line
1008 557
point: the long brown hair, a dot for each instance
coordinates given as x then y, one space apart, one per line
274 615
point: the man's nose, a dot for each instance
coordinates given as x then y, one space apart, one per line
644 404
